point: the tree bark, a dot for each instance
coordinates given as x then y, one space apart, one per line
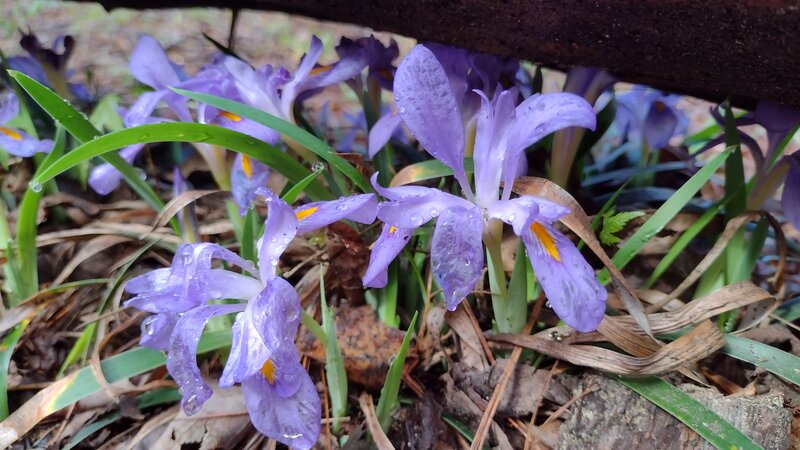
713 49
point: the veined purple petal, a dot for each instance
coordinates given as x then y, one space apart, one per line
268 325
389 244
9 107
279 229
398 192
518 212
790 198
18 143
248 127
425 101
566 278
659 124
249 84
293 420
191 281
538 116
457 253
359 208
105 178
247 176
150 65
413 212
182 355
141 111
180 290
455 62
292 88
382 131
343 70
775 117
157 329
490 144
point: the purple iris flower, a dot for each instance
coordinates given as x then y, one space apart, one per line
14 141
648 116
428 105
275 90
48 66
377 57
466 72
151 66
780 122
279 394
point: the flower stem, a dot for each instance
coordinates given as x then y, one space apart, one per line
497 275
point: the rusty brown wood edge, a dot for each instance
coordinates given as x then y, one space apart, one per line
712 49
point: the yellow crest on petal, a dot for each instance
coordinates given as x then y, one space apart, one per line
320 69
247 166
392 229
11 133
268 371
547 240
230 116
303 213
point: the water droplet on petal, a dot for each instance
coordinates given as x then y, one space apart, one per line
539 129
416 220
511 217
191 406
318 166
434 212
341 206
35 187
215 294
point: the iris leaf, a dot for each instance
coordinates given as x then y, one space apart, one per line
388 402
299 135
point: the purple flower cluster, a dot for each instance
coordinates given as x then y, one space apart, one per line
441 95
279 394
434 112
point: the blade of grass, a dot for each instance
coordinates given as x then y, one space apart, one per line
779 362
684 240
146 400
248 240
299 135
388 402
714 429
291 194
387 306
83 383
27 226
81 347
334 362
734 179
462 429
664 214
7 347
79 126
187 132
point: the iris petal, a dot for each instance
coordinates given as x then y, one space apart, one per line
426 102
389 244
182 355
568 280
457 253
293 420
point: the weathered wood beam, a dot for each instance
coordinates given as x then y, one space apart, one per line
747 50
